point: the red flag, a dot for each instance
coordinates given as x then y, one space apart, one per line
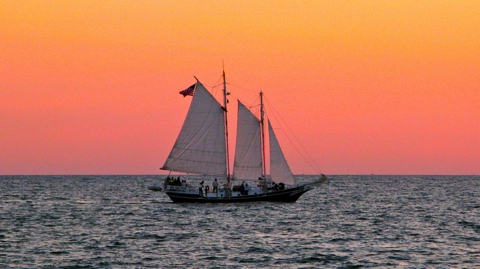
188 91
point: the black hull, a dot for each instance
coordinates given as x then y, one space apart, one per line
284 196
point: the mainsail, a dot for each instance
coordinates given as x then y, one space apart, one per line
200 146
279 169
248 151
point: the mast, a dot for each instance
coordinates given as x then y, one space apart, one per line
225 101
262 131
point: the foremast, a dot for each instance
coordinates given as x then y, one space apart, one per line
225 102
262 131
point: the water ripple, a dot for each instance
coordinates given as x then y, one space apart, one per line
350 222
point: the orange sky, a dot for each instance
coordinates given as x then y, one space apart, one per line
384 87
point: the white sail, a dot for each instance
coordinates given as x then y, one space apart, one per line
200 146
248 151
279 170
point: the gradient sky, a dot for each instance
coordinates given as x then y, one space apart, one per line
384 87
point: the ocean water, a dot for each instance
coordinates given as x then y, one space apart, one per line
349 222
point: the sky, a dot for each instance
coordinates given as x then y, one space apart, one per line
382 87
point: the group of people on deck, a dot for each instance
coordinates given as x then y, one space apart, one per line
173 181
262 183
244 189
228 187
203 190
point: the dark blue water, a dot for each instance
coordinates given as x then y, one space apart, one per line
350 222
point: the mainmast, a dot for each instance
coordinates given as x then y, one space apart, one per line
225 102
262 131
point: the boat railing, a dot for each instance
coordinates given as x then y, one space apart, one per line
181 189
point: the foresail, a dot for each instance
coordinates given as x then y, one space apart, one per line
200 146
279 169
248 151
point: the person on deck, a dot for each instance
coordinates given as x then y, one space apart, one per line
207 189
265 187
200 189
215 186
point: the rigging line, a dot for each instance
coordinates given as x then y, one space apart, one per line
248 90
243 88
249 105
214 88
257 107
310 162
218 83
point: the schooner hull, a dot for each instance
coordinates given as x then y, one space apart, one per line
284 196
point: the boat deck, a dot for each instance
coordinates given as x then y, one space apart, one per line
221 192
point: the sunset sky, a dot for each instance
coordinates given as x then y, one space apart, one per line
384 87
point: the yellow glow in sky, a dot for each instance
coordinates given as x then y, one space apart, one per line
370 86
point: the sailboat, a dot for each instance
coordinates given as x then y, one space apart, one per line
202 148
